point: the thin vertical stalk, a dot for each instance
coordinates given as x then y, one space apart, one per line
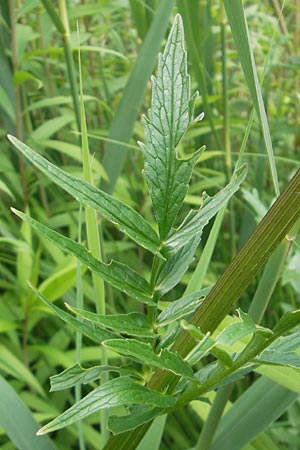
94 244
80 305
62 25
214 417
297 78
17 92
226 125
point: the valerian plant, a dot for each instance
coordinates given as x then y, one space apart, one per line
166 345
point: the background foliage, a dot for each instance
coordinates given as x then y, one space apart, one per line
119 41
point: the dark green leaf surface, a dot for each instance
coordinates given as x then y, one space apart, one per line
116 392
139 414
171 111
143 352
119 275
123 216
135 324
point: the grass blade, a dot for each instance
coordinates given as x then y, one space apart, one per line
237 20
18 423
251 414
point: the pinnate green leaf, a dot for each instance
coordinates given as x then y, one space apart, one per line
77 374
171 112
144 353
97 334
116 392
123 216
135 324
119 275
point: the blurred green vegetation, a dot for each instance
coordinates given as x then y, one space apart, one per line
119 41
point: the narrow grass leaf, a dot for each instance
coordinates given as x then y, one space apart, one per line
171 113
196 221
287 377
154 435
116 392
251 414
123 216
119 275
12 366
18 423
239 28
142 352
135 324
97 334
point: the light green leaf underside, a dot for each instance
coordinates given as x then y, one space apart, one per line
143 352
177 265
95 333
238 330
196 221
135 324
171 111
284 351
119 275
181 307
116 392
77 374
123 216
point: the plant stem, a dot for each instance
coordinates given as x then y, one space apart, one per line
80 305
17 92
213 418
62 25
94 244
